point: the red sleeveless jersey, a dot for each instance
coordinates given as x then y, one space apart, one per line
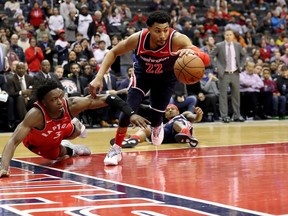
155 61
41 141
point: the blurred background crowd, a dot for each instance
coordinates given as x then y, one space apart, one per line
67 41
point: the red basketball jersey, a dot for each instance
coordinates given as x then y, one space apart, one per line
155 61
54 131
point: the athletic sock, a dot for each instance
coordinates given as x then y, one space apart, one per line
120 137
185 131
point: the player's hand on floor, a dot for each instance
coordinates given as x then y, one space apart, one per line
140 121
4 173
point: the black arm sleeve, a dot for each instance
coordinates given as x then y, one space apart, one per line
118 103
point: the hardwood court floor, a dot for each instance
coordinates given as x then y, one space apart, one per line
237 169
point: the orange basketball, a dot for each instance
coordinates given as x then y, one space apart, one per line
189 69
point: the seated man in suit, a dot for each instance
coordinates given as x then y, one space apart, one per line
45 72
19 88
7 104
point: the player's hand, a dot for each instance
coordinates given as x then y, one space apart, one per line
198 111
4 173
182 52
140 121
95 84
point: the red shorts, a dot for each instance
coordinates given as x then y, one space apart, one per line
45 147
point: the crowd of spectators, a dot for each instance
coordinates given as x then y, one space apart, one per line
70 38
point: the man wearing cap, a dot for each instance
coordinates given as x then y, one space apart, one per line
178 129
62 46
83 20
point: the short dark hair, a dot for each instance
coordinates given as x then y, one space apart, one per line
44 86
158 17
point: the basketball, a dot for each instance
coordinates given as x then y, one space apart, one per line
189 69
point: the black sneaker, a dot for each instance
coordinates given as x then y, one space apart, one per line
127 143
184 138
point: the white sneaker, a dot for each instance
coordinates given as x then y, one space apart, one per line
113 156
78 150
157 135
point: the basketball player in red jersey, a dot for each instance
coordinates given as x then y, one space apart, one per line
156 49
47 127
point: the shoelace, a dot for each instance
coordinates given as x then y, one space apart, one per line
112 152
156 131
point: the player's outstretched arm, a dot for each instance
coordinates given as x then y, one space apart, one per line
197 117
78 104
18 135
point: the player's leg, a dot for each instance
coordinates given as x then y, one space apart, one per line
134 99
160 96
183 134
133 140
72 131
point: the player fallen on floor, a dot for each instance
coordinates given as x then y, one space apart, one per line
178 129
51 123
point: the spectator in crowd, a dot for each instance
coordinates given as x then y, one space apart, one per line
12 7
45 72
115 67
47 47
42 30
83 21
8 104
23 41
208 98
250 85
100 53
80 81
282 84
65 8
10 57
284 57
278 107
88 72
56 23
230 59
234 26
265 53
209 46
36 16
98 20
34 56
95 5
3 54
94 65
19 24
20 88
62 46
104 36
71 27
58 70
140 22
80 4
72 58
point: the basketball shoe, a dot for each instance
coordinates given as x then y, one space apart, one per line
184 136
78 150
127 142
157 135
113 156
